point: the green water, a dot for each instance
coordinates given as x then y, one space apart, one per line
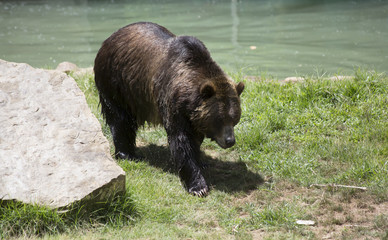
290 37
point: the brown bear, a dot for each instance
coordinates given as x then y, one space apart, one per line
143 72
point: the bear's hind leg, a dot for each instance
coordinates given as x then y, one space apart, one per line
124 139
123 127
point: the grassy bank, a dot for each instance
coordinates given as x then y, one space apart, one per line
298 144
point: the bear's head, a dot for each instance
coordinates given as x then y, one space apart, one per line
219 110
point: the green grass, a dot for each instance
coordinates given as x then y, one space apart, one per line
318 131
291 135
26 220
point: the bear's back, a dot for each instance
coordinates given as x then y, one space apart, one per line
126 64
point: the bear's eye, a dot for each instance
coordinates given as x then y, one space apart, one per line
234 109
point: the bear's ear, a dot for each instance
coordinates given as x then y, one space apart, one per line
240 88
207 90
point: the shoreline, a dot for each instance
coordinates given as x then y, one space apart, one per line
68 67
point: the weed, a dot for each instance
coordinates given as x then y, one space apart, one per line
24 219
20 219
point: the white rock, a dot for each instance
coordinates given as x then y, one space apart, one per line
339 78
293 79
67 67
52 150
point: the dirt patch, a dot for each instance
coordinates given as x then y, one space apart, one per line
340 213
347 213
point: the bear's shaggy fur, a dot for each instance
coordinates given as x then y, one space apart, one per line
143 72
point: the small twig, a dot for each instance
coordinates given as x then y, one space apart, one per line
305 222
338 186
355 225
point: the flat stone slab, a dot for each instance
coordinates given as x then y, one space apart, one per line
52 150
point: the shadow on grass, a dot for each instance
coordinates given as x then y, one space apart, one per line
221 175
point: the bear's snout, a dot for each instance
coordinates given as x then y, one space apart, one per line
230 141
226 139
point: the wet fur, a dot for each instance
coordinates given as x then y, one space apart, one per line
143 72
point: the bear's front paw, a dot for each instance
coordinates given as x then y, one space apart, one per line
201 193
129 156
199 188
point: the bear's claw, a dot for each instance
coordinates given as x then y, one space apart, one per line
198 186
202 193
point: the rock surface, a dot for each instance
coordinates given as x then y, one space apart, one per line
67 67
52 150
294 79
334 78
